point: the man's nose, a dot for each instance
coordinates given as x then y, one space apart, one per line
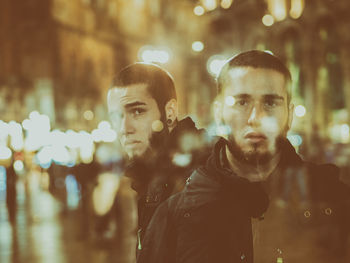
255 116
127 126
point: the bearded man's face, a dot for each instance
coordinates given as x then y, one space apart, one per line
255 109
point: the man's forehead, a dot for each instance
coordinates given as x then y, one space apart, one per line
259 81
119 97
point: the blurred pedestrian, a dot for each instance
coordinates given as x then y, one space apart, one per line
11 193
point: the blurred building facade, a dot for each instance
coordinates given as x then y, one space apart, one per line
59 56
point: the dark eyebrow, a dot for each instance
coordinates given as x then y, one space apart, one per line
273 97
134 104
242 96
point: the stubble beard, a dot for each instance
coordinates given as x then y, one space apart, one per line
253 157
155 148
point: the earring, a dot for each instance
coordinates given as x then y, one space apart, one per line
169 122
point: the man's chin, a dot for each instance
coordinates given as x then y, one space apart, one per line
257 157
136 156
256 154
144 156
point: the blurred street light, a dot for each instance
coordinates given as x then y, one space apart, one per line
5 153
150 54
295 139
104 133
225 4
88 115
279 9
18 166
215 63
296 9
210 5
268 20
197 46
198 10
300 111
345 133
230 101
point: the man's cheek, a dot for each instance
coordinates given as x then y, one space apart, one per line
269 126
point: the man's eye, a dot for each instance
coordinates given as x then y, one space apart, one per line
137 111
242 102
270 103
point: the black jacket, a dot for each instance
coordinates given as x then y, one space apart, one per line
210 221
156 181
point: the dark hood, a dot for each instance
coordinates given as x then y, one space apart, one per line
213 181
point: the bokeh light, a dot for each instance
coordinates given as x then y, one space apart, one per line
18 165
230 101
268 20
210 5
225 4
296 9
215 64
300 111
151 54
88 115
5 153
197 46
199 10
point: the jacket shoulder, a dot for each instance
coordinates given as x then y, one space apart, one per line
325 183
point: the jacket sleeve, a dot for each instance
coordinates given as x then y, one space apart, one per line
159 242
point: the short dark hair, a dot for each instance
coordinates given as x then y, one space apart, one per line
160 83
255 59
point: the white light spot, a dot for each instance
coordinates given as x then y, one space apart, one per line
157 126
230 101
225 4
209 4
26 124
33 115
18 166
197 46
182 160
296 140
345 133
223 130
88 115
297 7
198 10
300 111
5 153
215 64
268 20
151 54
104 125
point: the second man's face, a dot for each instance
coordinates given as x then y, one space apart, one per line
133 113
255 109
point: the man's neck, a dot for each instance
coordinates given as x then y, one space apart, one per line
257 173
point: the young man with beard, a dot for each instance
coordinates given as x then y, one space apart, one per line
143 108
230 209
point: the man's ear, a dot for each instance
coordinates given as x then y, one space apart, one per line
290 115
171 112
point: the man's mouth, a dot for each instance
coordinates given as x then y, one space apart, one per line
131 143
255 137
